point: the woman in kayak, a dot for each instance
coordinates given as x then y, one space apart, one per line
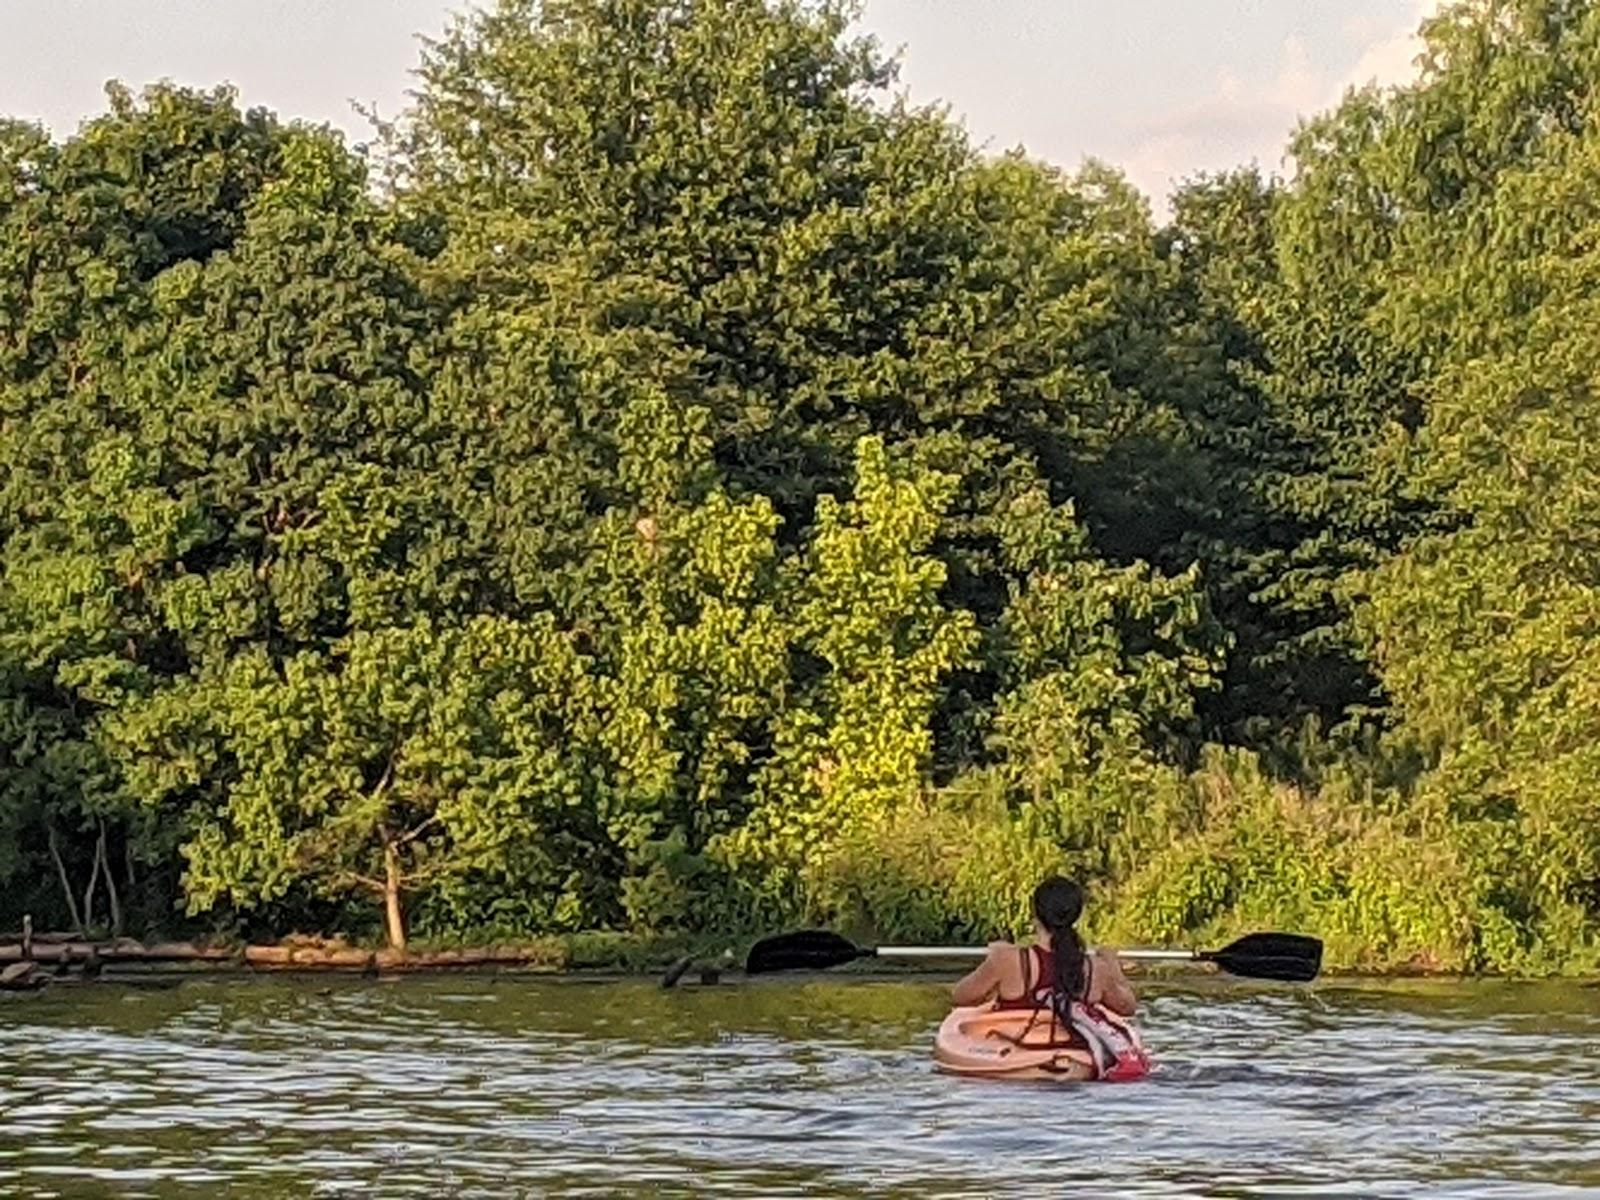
1082 998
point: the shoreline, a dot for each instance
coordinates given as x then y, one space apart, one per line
28 963
53 957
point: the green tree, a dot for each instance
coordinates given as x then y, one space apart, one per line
1485 632
876 647
84 227
1299 415
726 199
406 760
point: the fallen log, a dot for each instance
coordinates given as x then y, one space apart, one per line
343 957
532 954
47 937
118 950
291 955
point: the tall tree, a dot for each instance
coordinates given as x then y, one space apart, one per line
1484 630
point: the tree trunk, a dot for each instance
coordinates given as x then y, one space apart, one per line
94 878
66 884
111 886
391 896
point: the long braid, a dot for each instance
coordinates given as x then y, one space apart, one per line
1057 903
1067 950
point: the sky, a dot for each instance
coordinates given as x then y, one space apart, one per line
1160 88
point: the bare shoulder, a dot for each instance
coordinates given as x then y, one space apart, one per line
991 975
1003 958
1105 972
1109 985
1105 959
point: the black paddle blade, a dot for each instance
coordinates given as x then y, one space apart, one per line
803 950
1289 957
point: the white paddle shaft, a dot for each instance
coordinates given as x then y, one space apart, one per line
931 951
980 951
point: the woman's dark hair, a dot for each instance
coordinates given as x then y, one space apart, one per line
1057 904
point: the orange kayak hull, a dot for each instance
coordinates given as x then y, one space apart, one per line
988 1043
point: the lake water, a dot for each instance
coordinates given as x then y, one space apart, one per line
539 1086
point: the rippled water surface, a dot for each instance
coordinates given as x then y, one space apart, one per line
527 1086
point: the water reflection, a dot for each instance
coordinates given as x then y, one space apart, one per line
480 1087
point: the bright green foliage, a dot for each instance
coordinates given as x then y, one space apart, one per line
856 747
697 489
1485 632
1095 660
1236 851
406 760
695 652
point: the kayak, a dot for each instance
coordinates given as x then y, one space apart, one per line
992 1043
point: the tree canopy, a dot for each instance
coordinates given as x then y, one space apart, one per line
670 482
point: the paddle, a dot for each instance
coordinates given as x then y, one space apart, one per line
1289 957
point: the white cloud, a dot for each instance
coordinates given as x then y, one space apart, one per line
1390 58
1245 121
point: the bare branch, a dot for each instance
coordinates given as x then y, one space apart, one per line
413 834
346 878
388 774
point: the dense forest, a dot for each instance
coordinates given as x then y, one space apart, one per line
670 483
